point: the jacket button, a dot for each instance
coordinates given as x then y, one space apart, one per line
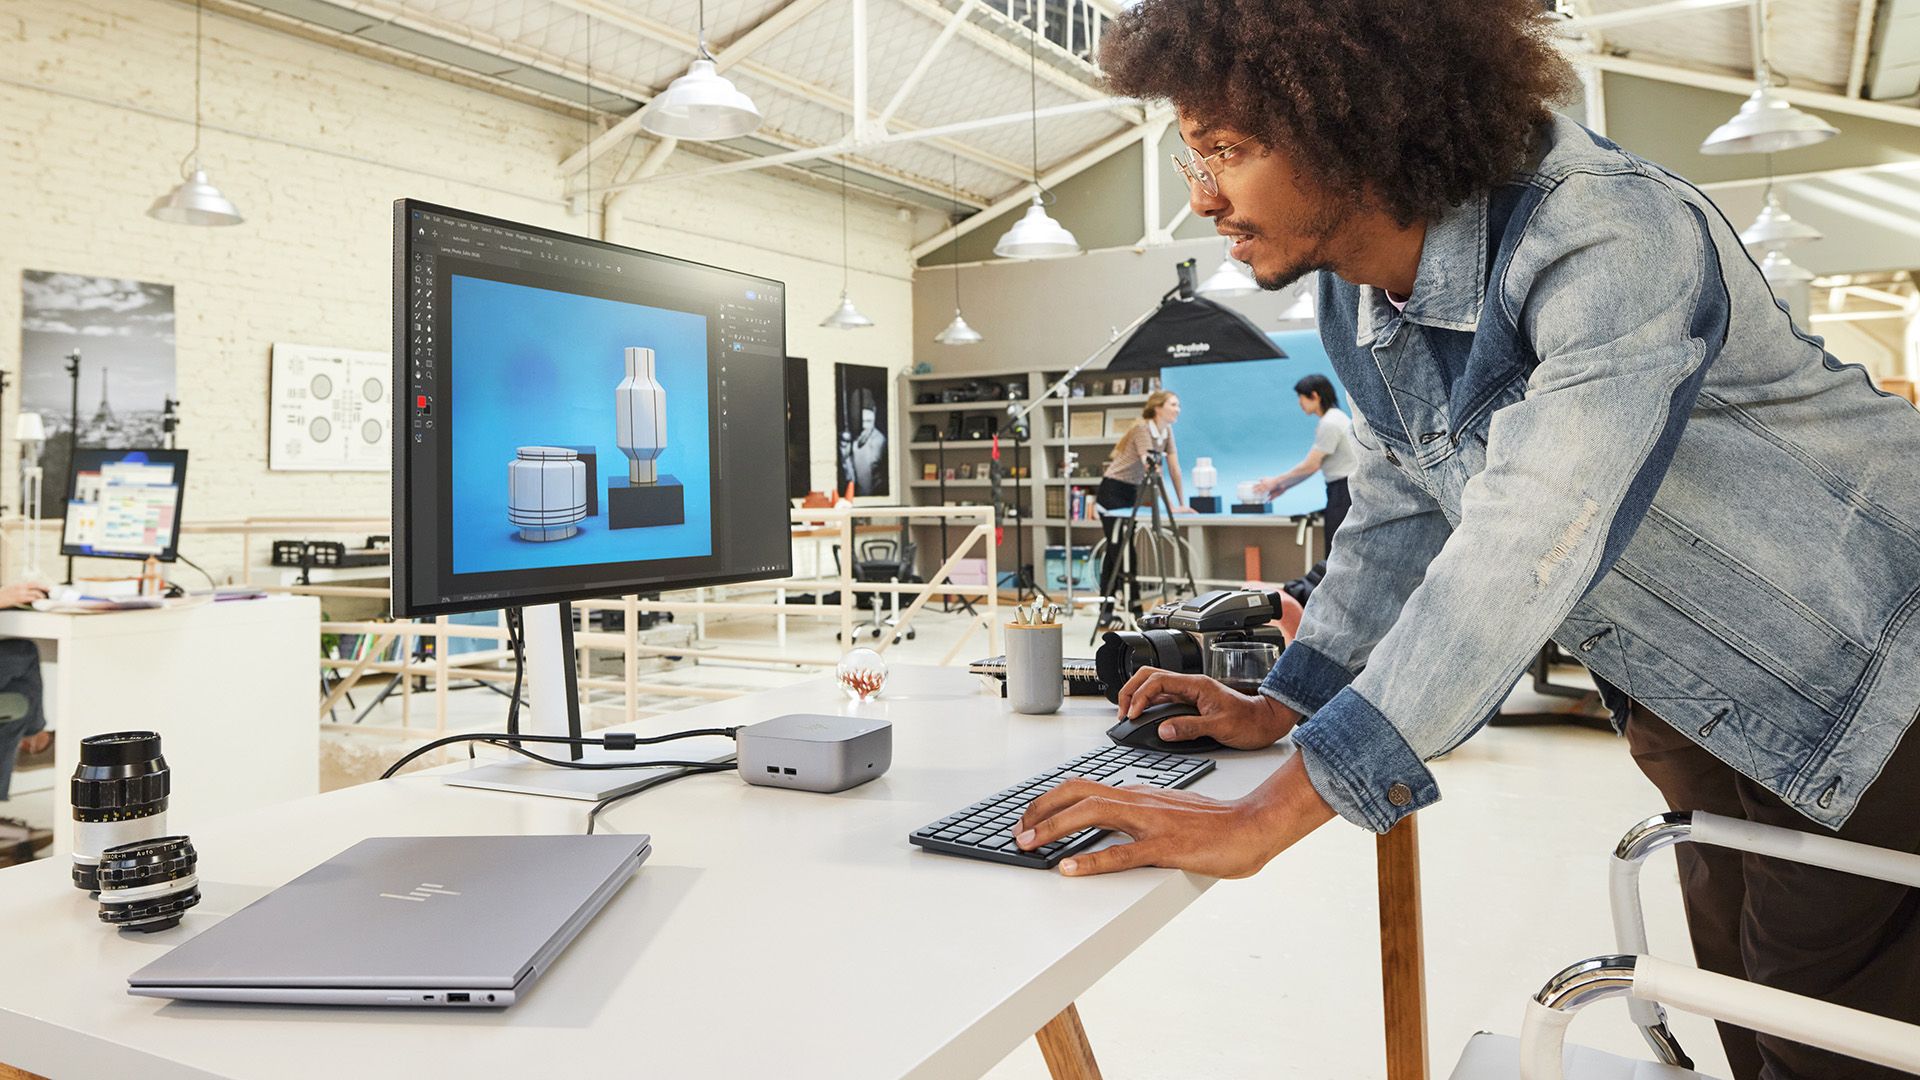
1400 795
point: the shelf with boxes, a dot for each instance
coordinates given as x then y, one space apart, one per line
955 416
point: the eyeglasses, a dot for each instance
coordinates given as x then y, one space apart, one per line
1195 170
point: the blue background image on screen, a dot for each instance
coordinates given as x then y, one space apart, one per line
535 367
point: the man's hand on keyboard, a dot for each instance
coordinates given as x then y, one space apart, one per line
1178 829
1242 721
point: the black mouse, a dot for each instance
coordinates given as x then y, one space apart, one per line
1143 731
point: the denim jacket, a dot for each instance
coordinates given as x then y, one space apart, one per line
1594 423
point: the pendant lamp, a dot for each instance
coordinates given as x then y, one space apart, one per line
1766 122
846 316
1773 227
702 105
1036 235
195 201
1230 279
957 331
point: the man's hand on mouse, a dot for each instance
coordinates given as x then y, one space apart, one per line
1178 829
1242 721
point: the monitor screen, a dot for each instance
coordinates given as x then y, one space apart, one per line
578 419
124 504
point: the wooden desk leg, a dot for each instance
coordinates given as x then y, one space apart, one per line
1063 1043
1402 974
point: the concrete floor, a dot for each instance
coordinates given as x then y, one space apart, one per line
1278 975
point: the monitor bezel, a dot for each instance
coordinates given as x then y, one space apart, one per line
405 603
176 458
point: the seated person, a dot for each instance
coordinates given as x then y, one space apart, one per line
23 722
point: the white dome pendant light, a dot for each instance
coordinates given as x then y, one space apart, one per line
195 201
702 105
1230 279
1766 122
957 331
846 316
1036 235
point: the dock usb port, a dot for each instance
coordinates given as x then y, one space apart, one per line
774 769
789 772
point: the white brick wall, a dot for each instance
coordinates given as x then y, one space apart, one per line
313 144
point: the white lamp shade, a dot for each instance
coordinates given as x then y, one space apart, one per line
1767 124
1230 279
846 316
958 332
1780 270
1774 227
702 105
195 202
1037 236
30 428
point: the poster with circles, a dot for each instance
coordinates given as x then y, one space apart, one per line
330 410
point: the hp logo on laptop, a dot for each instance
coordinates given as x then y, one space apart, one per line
425 891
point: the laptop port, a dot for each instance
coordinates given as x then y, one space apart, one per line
456 999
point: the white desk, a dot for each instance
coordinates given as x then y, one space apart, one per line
772 933
231 688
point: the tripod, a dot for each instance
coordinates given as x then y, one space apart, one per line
1121 589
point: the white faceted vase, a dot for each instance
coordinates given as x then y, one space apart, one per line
640 405
1205 476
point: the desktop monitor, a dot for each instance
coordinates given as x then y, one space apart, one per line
124 504
578 419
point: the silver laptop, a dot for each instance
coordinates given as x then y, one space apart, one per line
462 921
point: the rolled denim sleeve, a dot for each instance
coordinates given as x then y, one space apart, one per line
1618 288
1393 531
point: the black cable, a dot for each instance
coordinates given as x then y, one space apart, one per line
516 641
211 584
613 740
647 785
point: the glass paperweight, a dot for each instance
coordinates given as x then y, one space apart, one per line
862 672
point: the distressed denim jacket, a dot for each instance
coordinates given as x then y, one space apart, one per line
1594 424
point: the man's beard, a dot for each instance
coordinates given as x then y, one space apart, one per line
1317 230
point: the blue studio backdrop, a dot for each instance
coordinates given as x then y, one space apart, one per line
1245 416
534 367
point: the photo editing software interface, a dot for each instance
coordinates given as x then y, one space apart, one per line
124 504
579 419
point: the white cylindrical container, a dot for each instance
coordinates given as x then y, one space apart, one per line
1245 492
546 492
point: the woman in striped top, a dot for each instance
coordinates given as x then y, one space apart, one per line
1127 470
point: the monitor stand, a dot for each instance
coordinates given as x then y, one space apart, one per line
554 700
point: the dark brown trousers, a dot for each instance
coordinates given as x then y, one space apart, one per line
1822 933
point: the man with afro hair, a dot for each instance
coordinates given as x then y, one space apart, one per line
1582 417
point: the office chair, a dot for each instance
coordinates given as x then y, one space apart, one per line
1649 982
882 560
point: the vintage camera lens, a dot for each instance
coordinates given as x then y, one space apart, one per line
1122 653
148 884
120 791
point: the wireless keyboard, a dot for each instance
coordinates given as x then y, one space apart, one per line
985 829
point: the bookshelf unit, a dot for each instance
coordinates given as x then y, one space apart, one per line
1036 503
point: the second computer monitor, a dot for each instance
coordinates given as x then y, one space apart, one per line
124 504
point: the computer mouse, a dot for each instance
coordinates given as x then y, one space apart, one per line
1143 731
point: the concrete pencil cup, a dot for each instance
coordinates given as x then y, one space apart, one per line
1034 680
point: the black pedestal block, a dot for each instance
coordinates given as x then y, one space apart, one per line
640 506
